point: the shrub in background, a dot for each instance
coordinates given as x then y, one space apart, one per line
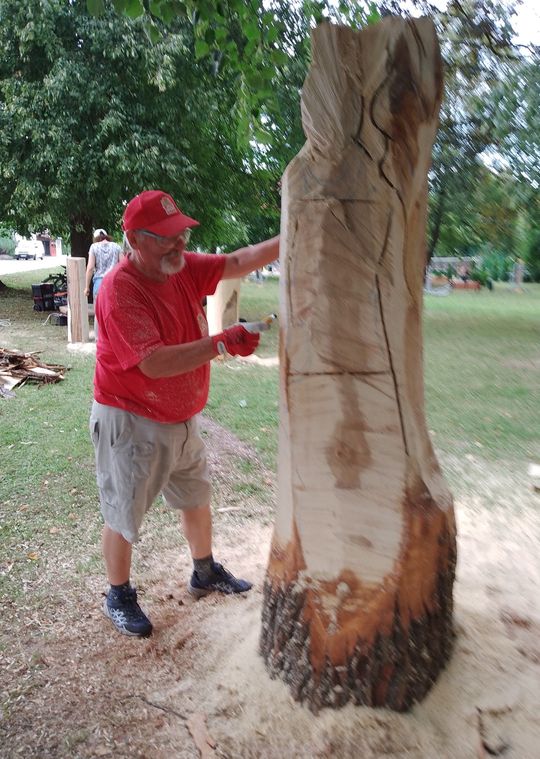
497 264
7 245
532 257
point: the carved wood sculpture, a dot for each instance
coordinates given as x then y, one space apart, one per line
78 330
223 308
358 593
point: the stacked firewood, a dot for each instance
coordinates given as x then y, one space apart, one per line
17 368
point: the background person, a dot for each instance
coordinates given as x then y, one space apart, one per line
151 381
103 255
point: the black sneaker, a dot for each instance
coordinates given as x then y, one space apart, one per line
125 613
221 580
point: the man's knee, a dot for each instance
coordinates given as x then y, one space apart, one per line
118 536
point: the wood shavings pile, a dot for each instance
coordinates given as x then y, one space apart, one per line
17 368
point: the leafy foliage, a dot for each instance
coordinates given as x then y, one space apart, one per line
103 98
7 245
475 41
517 99
482 68
93 112
533 256
496 264
480 194
245 39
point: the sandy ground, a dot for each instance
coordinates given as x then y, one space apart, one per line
197 687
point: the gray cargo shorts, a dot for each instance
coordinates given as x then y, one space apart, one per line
137 458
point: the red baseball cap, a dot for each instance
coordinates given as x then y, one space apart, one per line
156 212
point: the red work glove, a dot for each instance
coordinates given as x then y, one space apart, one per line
237 341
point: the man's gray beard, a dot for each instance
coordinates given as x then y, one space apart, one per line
169 266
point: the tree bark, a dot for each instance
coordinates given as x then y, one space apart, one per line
358 592
437 216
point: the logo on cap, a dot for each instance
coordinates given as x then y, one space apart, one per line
168 206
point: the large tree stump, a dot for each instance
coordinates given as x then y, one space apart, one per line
358 593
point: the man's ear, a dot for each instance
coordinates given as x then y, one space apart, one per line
132 238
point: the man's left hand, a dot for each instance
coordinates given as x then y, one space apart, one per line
237 341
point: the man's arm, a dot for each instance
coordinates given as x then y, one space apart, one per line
170 360
246 260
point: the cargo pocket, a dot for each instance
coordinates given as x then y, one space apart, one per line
94 431
142 460
115 477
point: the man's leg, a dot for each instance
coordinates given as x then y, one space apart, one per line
117 555
187 487
124 497
197 526
121 603
207 575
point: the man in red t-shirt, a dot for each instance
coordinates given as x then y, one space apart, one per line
151 381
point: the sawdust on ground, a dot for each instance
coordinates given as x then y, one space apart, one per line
74 688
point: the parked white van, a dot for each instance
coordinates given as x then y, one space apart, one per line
29 249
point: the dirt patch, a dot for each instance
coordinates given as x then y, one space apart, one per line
74 688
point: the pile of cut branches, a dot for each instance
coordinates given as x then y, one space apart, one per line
17 368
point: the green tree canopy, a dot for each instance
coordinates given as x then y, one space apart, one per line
92 112
202 99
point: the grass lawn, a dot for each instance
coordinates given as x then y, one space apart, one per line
482 374
482 356
73 689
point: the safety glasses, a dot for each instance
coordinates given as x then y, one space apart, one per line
168 242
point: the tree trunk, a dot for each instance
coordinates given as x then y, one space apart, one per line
358 593
80 233
436 219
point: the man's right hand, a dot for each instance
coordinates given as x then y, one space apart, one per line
237 341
